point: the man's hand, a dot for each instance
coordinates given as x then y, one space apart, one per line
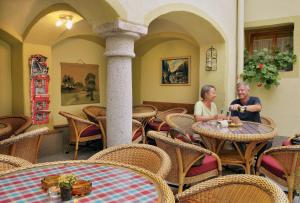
234 107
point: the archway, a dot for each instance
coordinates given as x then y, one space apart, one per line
176 34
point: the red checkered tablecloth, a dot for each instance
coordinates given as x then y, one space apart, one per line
110 184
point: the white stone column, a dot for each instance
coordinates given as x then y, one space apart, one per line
120 37
240 36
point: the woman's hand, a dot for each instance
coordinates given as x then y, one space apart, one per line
221 117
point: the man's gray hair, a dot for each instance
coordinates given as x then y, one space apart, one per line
243 84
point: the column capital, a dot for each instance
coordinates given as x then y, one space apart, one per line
120 27
120 36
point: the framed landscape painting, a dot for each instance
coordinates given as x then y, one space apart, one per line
175 71
79 84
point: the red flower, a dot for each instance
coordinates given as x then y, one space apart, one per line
259 84
260 66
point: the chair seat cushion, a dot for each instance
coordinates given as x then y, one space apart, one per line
209 163
154 125
91 130
137 134
272 165
286 142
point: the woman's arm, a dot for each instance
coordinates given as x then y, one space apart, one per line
205 118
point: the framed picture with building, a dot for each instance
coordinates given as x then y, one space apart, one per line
176 71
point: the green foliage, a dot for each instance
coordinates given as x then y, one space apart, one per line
66 180
262 67
284 60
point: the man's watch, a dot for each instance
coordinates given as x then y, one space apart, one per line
245 108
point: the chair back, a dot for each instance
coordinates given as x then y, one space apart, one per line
25 145
182 122
268 121
18 123
142 155
289 159
162 115
94 111
136 126
183 155
76 125
138 129
234 188
10 162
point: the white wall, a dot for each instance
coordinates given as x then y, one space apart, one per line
256 10
5 79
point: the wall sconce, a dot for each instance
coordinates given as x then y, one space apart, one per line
65 20
211 59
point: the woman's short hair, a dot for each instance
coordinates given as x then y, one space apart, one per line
205 89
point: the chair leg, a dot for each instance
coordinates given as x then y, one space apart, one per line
290 193
180 187
76 151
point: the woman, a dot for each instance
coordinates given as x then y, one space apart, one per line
206 109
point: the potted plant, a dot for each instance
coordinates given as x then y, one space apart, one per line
65 182
284 60
262 67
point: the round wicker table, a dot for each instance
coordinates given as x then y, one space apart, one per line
247 140
5 129
111 182
143 113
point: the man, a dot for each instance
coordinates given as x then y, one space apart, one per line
246 107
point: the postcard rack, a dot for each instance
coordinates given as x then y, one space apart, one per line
39 83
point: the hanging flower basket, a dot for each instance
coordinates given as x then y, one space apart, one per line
262 67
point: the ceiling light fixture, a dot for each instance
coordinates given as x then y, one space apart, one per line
65 20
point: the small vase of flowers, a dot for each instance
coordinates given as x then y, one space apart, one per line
65 183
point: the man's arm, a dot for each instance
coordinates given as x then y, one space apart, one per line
254 108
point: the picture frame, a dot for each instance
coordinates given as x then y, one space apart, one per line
79 84
175 71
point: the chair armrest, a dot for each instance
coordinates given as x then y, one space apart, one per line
174 131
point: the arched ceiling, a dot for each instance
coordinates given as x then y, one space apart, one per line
190 24
46 33
18 16
179 25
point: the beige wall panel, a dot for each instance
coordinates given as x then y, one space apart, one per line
5 79
151 90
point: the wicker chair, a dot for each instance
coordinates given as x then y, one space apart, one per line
183 123
158 123
142 155
92 112
184 157
234 188
25 145
18 123
82 130
138 132
281 164
268 121
9 162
